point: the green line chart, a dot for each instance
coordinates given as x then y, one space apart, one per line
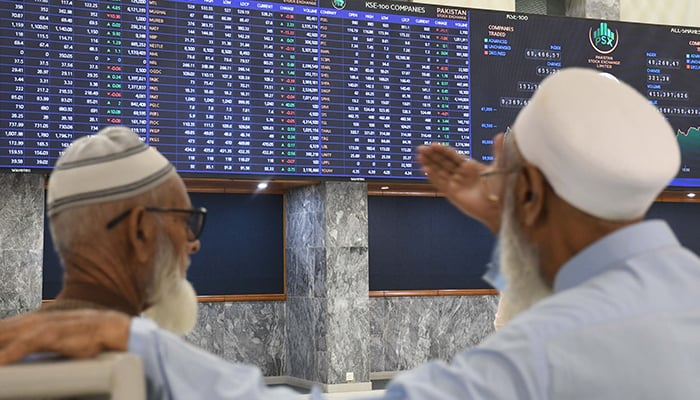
693 130
689 142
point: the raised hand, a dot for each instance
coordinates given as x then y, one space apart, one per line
458 179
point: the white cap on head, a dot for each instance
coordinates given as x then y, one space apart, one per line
113 164
601 145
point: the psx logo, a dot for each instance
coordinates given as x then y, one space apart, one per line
604 40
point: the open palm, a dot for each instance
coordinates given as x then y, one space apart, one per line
458 179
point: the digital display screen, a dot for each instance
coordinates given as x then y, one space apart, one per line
516 51
327 89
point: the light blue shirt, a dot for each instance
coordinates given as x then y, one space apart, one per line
623 323
176 369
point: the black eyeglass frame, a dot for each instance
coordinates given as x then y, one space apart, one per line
195 222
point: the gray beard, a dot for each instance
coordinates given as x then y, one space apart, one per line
173 299
520 265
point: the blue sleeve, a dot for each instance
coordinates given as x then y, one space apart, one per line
473 374
176 370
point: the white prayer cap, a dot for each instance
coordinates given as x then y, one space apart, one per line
601 145
113 164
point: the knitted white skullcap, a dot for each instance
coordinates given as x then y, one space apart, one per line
601 145
113 164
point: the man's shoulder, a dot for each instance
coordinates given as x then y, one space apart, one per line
660 283
577 330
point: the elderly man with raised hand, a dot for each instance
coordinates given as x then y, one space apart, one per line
608 305
604 304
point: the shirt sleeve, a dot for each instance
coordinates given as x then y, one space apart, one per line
178 370
473 374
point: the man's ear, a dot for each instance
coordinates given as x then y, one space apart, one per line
530 195
142 233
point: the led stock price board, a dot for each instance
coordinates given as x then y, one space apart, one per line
512 53
236 87
334 89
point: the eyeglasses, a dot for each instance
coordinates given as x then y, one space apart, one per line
195 219
494 187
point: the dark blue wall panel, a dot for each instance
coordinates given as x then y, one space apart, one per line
415 243
242 247
421 243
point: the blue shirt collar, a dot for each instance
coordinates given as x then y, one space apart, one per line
613 248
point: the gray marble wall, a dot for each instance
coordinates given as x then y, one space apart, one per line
544 7
403 333
327 283
531 6
408 331
248 332
21 242
601 9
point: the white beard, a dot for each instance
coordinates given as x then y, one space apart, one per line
520 265
173 299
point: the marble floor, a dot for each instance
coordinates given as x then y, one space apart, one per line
366 395
372 394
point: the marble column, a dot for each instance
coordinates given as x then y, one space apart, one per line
21 242
531 6
327 283
600 9
544 7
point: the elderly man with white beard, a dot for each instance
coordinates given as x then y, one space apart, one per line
606 305
475 189
123 227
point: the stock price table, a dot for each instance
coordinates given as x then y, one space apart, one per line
241 87
343 89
